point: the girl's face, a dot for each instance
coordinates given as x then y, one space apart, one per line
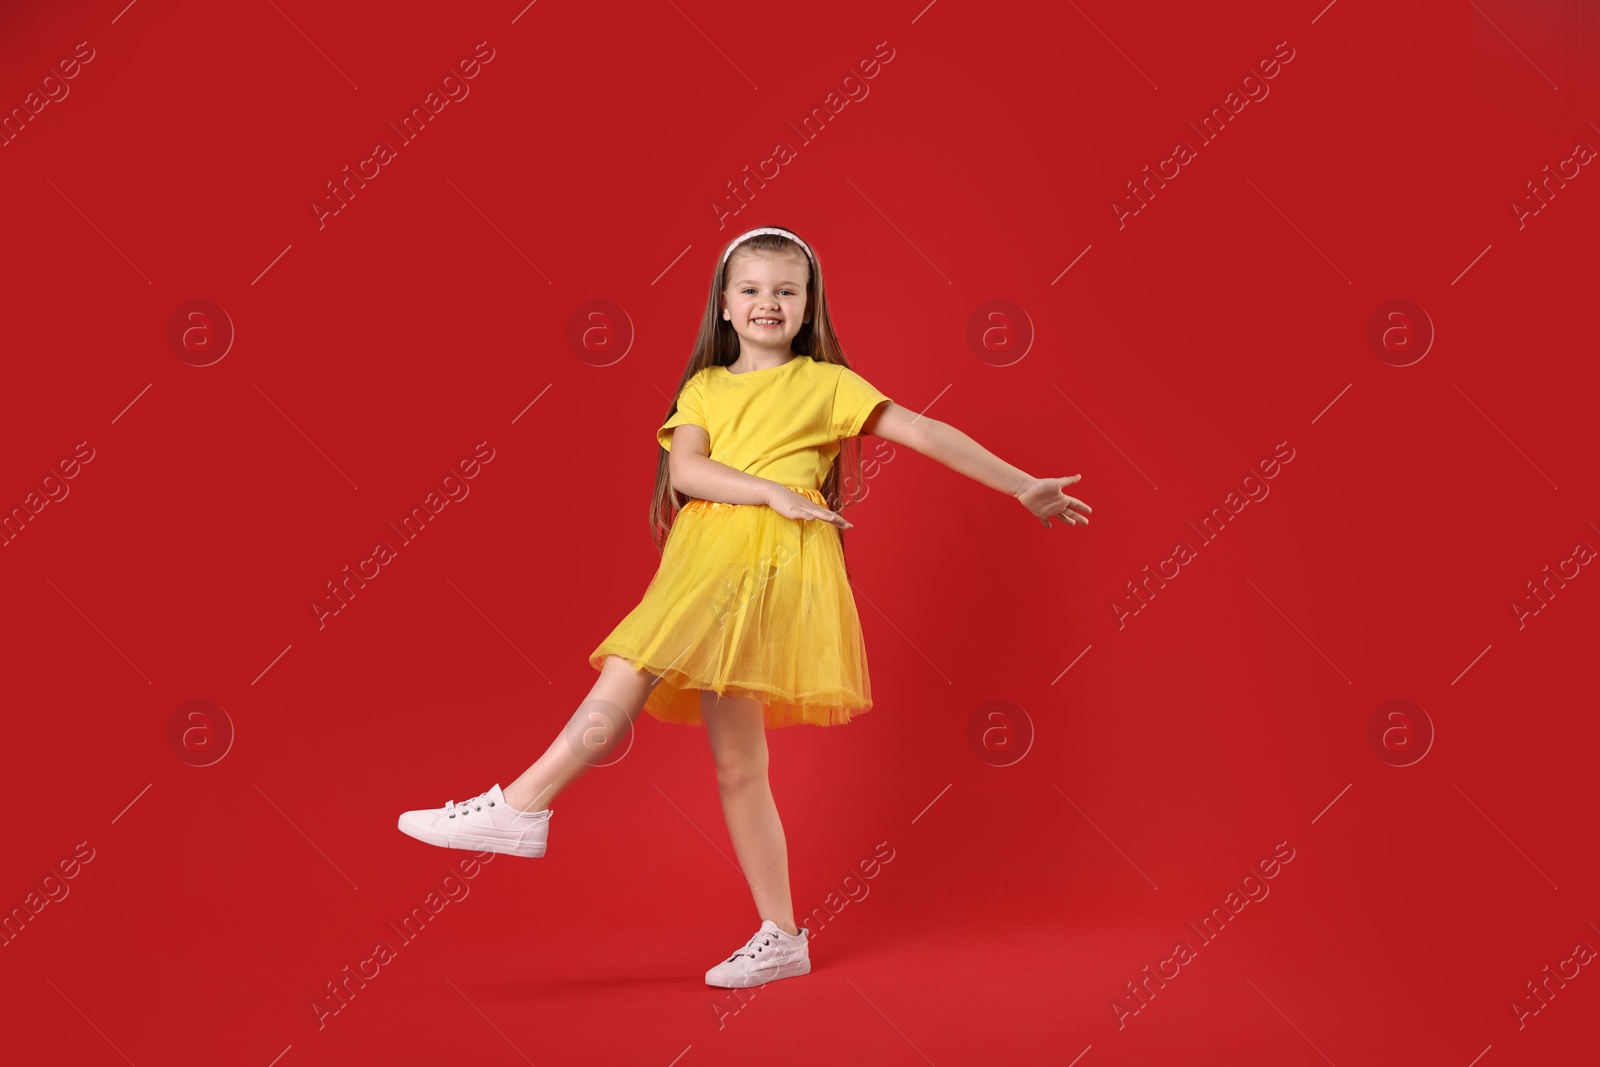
765 299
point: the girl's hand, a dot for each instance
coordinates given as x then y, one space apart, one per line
1043 497
791 505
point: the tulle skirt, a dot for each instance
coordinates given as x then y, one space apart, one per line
747 603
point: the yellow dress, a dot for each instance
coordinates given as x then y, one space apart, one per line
747 603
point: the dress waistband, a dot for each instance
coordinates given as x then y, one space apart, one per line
814 495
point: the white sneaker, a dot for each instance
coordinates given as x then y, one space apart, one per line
486 823
769 955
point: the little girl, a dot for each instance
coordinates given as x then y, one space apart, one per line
749 623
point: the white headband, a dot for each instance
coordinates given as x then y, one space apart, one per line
766 229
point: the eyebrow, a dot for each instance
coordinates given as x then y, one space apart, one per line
747 281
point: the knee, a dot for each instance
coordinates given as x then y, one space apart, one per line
741 771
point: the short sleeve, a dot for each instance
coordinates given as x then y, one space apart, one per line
853 402
691 409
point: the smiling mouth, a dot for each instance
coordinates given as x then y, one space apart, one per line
767 324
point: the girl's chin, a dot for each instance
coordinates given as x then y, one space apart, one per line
776 341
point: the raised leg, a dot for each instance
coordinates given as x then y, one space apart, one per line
739 747
604 718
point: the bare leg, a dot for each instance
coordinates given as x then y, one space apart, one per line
605 717
738 737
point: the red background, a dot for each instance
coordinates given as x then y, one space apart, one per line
1227 716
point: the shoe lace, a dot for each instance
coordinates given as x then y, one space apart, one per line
475 804
758 941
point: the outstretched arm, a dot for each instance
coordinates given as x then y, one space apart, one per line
942 442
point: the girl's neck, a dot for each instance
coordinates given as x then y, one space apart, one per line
751 361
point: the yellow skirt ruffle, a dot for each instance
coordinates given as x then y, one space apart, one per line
747 603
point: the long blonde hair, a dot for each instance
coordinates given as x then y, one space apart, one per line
718 346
